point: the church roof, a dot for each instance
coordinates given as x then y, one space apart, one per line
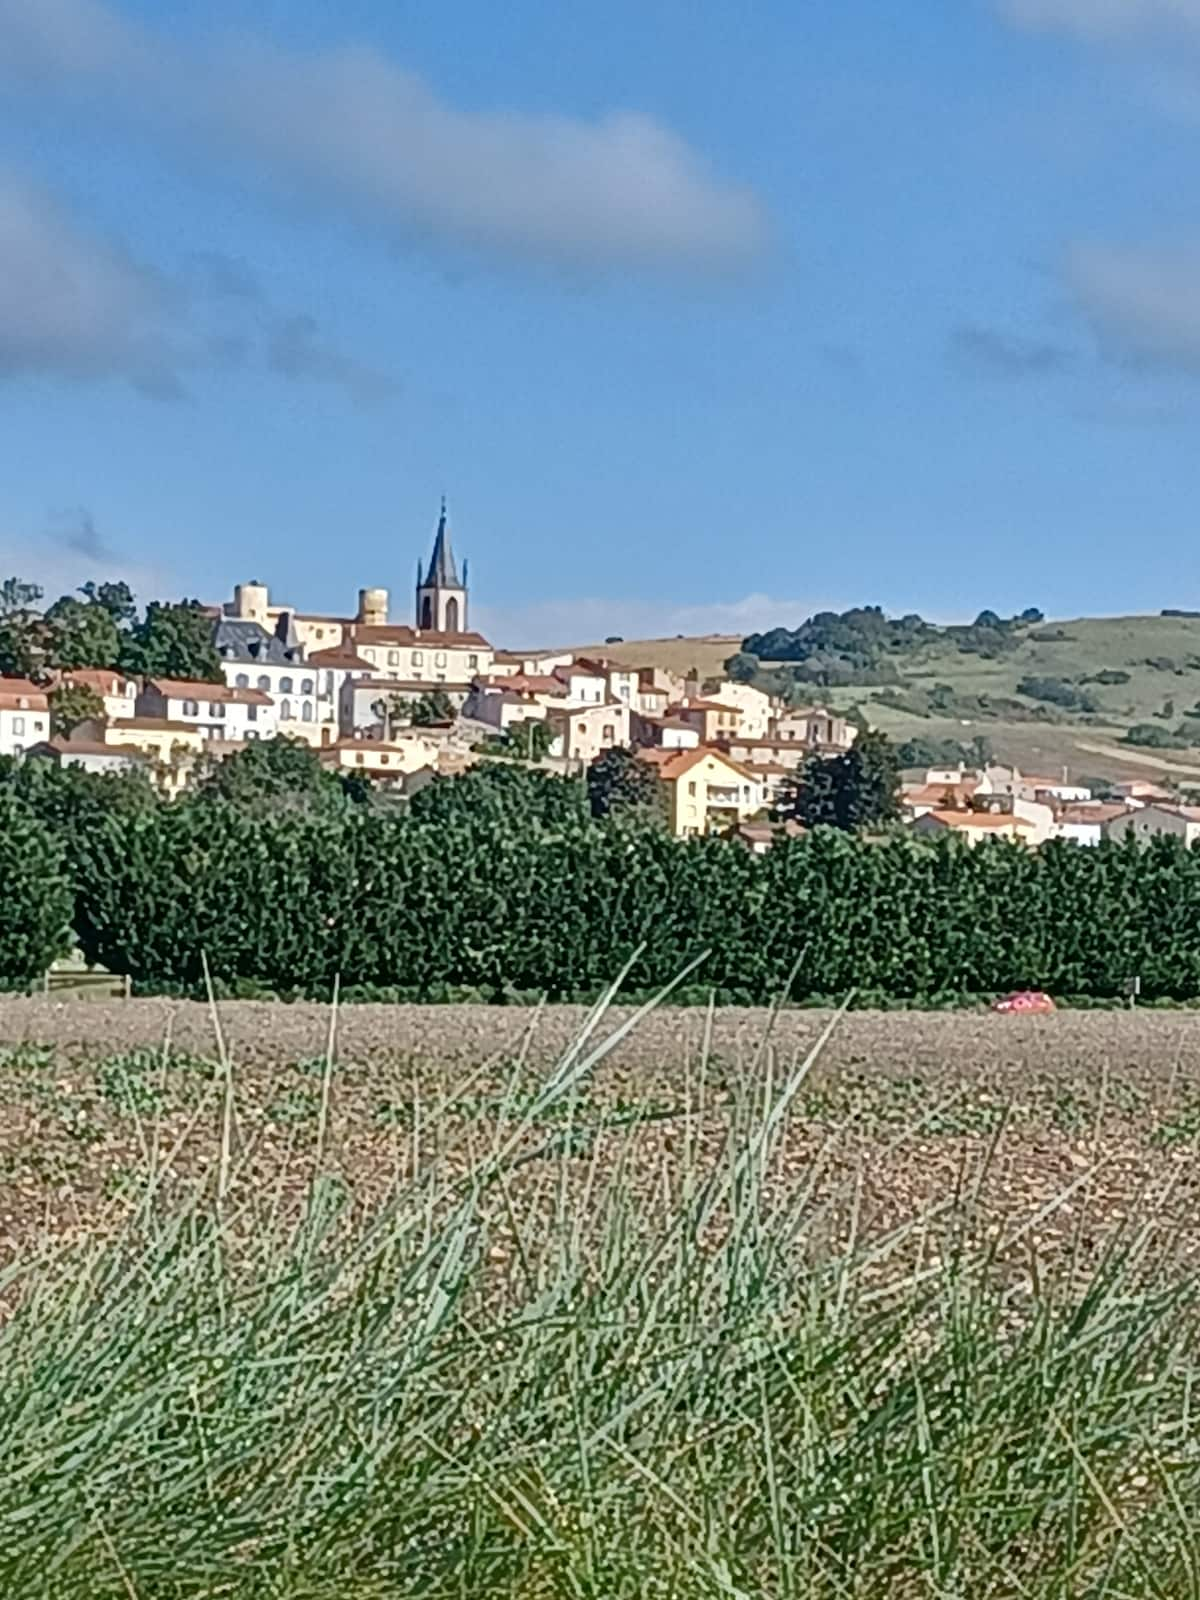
443 573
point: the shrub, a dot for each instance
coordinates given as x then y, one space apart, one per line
35 896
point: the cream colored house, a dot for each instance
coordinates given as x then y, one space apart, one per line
707 791
174 747
581 733
216 710
24 716
382 759
815 727
424 661
756 707
711 719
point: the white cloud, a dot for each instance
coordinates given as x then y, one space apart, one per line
79 307
550 623
353 130
1101 19
1143 302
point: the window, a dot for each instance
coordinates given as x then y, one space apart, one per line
329 683
384 760
358 758
18 750
242 681
608 733
252 733
319 632
393 658
307 686
473 663
285 710
692 788
418 658
216 709
307 711
439 660
18 724
285 686
191 708
252 713
264 683
441 677
369 654
38 725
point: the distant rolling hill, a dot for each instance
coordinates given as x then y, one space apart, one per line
1128 672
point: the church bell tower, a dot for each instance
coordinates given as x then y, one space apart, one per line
441 597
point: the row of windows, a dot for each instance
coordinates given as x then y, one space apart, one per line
286 685
417 658
18 725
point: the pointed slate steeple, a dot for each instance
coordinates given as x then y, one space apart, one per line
442 571
442 596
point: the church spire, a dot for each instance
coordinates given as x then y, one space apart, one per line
442 574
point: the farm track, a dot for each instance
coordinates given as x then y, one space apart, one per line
1091 1118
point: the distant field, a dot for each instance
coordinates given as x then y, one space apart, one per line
81 1088
707 653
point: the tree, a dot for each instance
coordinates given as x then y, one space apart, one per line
529 739
271 774
21 631
742 667
71 704
172 641
423 712
621 783
115 598
80 633
857 790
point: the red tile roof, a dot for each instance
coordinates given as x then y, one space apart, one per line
190 689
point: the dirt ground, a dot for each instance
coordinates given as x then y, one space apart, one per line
1054 1132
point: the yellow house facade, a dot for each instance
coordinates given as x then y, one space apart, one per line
706 791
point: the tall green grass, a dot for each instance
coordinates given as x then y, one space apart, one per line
533 1374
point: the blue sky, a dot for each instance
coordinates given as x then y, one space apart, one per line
702 316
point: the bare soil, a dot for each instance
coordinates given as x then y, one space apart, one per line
1051 1131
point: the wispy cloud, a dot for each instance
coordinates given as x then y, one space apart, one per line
1101 19
76 532
79 307
351 129
992 353
1143 302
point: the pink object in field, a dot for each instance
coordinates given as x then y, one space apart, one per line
1025 1000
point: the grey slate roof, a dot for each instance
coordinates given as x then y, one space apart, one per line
442 574
238 640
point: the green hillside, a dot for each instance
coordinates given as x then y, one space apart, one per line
1158 658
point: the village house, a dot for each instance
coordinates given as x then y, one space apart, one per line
172 747
116 693
1084 822
384 760
706 790
756 708
1157 819
1140 792
581 733
252 658
974 826
24 716
711 719
87 754
815 727
216 710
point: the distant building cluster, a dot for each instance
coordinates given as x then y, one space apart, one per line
393 700
1004 802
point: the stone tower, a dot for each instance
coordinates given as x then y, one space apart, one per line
441 597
